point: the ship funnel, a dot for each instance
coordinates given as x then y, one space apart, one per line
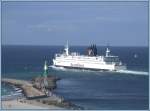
107 52
67 49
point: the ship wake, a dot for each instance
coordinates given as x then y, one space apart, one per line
57 68
133 72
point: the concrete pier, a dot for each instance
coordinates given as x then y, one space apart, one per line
27 87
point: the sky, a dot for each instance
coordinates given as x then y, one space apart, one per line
81 23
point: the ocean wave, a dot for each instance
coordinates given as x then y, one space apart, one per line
11 92
11 96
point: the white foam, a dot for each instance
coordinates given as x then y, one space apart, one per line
57 68
17 88
133 72
18 91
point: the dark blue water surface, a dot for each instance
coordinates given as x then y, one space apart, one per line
89 89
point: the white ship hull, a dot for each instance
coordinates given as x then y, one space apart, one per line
87 65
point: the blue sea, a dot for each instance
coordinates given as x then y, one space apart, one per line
89 89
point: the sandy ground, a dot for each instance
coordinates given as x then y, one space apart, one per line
26 104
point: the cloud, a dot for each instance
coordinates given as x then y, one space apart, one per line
49 29
54 27
108 19
100 18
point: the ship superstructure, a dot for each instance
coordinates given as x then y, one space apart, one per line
90 61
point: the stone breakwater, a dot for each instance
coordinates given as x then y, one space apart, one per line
51 80
33 92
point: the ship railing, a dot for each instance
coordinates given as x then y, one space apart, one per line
75 54
113 63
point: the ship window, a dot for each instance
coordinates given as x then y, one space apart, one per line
111 59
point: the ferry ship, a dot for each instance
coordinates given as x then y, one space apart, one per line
90 61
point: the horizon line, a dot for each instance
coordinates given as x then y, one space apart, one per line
73 45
